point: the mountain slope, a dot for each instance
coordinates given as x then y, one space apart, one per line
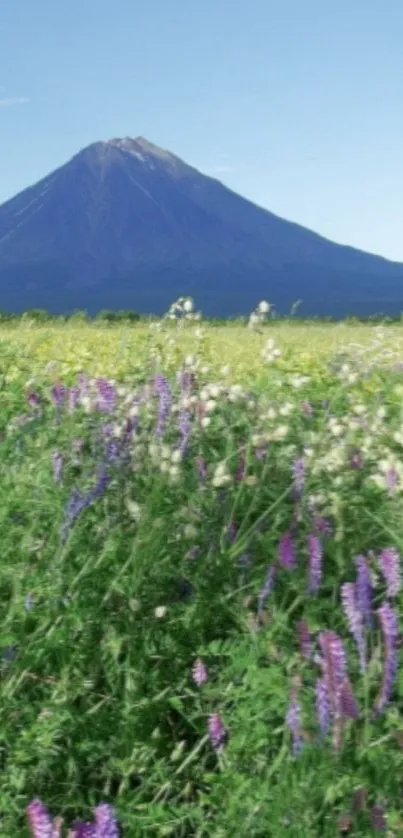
125 224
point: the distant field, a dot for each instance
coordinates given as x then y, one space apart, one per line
200 579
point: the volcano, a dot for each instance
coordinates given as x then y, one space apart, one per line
125 224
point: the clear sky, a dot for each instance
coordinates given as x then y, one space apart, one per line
296 104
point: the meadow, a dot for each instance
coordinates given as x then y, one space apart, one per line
200 579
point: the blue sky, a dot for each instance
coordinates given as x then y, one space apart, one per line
296 104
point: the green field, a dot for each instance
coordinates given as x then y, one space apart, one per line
200 599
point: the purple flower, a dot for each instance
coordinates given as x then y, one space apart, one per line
378 818
354 618
184 430
392 479
57 466
356 460
389 563
58 394
217 732
322 705
162 389
199 672
293 720
78 502
390 632
334 668
74 395
363 590
267 587
106 398
305 643
84 829
286 552
33 400
298 472
349 705
106 822
39 820
315 554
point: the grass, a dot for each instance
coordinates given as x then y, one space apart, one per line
100 631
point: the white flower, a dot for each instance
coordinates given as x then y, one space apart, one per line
188 305
176 456
263 307
160 611
134 509
190 531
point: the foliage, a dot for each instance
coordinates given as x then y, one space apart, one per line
178 530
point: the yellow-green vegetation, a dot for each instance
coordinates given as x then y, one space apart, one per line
200 579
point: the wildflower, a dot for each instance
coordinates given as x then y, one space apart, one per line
58 394
349 706
305 643
293 720
33 400
334 668
160 612
199 672
363 590
315 554
39 820
217 732
298 476
83 829
263 307
184 430
57 466
389 563
74 395
267 587
162 389
389 626
378 818
287 552
106 825
78 502
354 618
322 705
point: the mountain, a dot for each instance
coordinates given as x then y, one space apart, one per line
125 224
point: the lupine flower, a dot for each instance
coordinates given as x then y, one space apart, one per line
392 478
293 720
322 526
58 394
106 397
349 705
74 395
322 705
83 829
57 466
199 672
305 643
217 732
106 824
78 502
389 625
389 563
363 589
33 399
286 552
298 471
267 587
354 618
184 430
315 554
162 389
39 820
334 668
378 818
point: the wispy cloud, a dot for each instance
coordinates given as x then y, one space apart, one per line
11 101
